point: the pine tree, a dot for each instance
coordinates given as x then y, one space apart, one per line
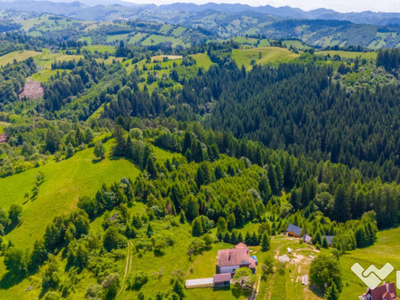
341 207
325 243
187 142
197 151
151 168
247 239
265 243
279 175
149 231
317 238
289 174
332 293
197 228
273 180
265 189
182 217
254 240
203 175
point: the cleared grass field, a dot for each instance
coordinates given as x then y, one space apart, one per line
385 250
202 60
136 38
45 75
117 37
268 55
156 39
45 59
64 183
165 28
295 43
178 31
349 54
109 60
100 48
18 56
88 39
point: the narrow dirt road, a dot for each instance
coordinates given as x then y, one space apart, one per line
128 266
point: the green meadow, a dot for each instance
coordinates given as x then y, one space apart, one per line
137 38
385 250
116 37
268 55
350 54
65 182
18 56
100 48
44 76
202 60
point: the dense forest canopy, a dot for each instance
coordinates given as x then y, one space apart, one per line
224 141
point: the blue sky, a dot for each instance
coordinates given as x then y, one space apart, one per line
338 5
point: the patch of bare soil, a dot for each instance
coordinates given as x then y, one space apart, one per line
3 138
32 90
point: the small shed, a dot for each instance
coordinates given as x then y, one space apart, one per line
199 283
222 280
307 239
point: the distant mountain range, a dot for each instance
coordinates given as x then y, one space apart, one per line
103 6
320 27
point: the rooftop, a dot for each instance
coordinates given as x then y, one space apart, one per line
236 257
295 229
218 278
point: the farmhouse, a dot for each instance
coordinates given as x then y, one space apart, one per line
383 292
230 260
293 230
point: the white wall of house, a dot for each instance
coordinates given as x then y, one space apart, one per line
230 269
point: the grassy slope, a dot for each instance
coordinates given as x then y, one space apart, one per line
45 75
269 55
64 183
75 177
18 56
100 48
349 54
385 250
202 60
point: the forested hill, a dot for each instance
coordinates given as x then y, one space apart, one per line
303 109
318 28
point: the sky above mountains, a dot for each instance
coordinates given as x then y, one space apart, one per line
338 5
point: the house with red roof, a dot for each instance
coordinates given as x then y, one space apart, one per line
229 260
384 292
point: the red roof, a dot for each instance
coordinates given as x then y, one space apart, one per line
241 246
218 278
384 292
238 256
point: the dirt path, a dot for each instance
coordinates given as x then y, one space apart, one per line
128 266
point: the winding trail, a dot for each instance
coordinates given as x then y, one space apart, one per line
128 266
